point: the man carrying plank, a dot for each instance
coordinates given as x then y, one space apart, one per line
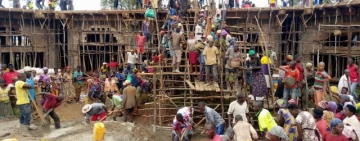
49 103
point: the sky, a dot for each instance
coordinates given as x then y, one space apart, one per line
95 4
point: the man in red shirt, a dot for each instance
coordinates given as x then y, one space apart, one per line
354 78
140 42
210 131
113 65
50 102
10 76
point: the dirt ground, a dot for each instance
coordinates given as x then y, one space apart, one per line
73 127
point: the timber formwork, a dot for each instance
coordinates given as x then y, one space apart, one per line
88 38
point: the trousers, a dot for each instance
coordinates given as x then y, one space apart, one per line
25 114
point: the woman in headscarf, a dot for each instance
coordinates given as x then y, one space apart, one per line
345 100
337 127
351 119
276 133
327 115
287 120
45 81
66 86
258 83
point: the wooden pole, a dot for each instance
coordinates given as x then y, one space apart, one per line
264 48
155 99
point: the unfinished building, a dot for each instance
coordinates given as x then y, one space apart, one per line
326 33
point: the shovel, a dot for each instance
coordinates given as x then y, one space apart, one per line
45 126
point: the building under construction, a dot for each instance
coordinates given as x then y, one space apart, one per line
40 38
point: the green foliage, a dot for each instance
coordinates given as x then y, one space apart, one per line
123 4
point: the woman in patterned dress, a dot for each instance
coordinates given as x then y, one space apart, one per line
67 87
258 83
285 118
305 124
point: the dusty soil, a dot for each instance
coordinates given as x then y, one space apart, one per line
74 128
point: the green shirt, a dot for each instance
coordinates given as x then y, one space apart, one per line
80 75
116 100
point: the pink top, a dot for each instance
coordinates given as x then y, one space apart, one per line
354 75
140 40
216 138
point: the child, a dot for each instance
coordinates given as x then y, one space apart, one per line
291 73
321 78
5 104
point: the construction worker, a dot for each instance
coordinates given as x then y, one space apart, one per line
51 102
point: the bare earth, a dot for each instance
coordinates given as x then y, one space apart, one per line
74 128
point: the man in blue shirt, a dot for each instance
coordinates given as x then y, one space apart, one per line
78 76
30 81
120 78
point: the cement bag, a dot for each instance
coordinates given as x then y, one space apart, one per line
150 13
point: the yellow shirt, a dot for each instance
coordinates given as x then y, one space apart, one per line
21 93
265 60
266 121
4 94
210 55
103 69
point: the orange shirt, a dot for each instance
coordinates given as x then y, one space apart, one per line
292 73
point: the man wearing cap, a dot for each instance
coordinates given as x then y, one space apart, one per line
23 103
177 37
94 112
211 54
129 101
11 75
51 102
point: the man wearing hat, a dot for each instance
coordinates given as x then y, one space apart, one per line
94 112
129 101
11 75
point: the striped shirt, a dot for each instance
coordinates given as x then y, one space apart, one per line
320 77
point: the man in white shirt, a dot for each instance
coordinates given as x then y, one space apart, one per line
198 31
132 59
238 107
344 81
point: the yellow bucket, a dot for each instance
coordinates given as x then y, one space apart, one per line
99 131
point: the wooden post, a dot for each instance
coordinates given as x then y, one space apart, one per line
349 35
155 99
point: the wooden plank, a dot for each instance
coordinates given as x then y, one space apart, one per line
197 85
190 84
201 84
207 88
